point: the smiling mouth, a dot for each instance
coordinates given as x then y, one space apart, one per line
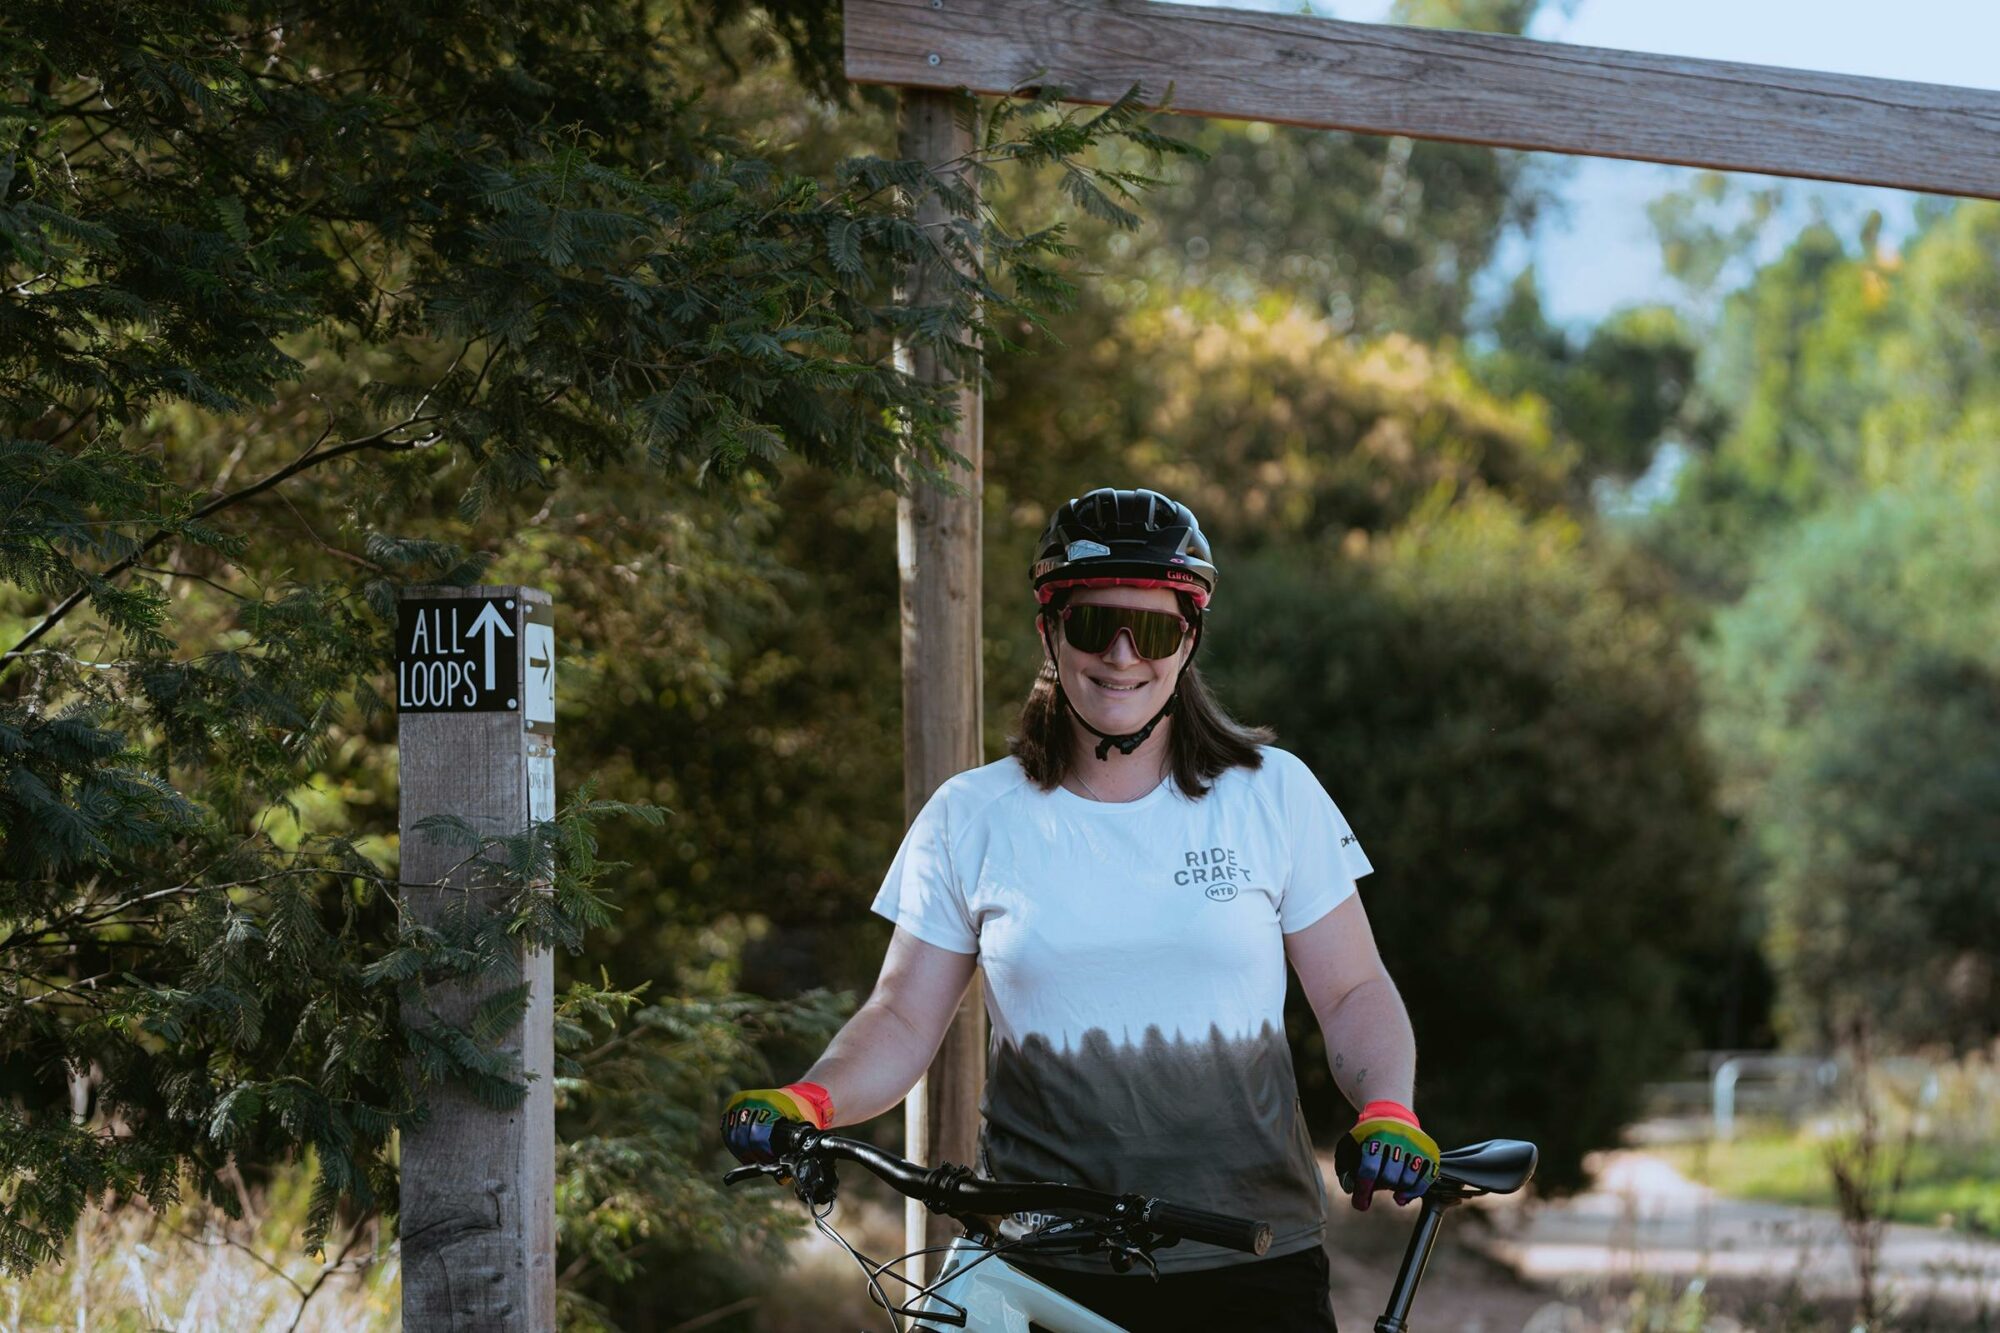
1111 687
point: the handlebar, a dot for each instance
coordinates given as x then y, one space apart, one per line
1231 1233
955 1191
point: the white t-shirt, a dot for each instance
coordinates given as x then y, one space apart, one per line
1135 981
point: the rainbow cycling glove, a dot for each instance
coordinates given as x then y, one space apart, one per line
749 1116
1395 1154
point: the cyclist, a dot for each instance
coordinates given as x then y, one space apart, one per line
1133 878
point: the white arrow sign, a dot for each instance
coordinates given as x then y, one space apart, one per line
541 645
489 620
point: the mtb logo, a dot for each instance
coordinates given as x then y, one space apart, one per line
1222 893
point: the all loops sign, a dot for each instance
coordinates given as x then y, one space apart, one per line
461 655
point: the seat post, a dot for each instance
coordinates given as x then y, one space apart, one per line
1395 1318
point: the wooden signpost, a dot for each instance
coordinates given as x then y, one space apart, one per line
475 698
1299 70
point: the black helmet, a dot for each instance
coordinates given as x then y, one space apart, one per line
1132 538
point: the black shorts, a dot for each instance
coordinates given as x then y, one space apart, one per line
1286 1295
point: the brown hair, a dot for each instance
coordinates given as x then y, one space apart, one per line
1203 741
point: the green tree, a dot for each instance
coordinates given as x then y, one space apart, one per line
1270 423
1709 229
1500 710
1840 526
296 309
1375 233
1855 709
1835 365
1620 392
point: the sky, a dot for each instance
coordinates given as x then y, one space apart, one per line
1599 253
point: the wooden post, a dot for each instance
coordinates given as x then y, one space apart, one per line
475 675
938 555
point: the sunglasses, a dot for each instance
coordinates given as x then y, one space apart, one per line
1155 634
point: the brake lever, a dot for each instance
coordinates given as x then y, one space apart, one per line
1124 1254
742 1173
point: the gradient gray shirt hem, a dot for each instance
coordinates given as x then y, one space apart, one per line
1187 1257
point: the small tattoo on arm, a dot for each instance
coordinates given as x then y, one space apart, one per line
1339 1061
1360 1076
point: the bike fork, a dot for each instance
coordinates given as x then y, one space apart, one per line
1395 1319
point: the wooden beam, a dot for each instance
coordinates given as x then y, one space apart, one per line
1507 92
937 543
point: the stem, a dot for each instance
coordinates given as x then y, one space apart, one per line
326 1271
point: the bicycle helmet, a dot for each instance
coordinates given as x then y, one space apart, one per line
1113 538
1136 538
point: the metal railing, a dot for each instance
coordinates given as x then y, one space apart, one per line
1727 1085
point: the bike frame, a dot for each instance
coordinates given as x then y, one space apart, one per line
999 1298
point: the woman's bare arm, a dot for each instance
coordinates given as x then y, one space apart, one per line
879 1054
1369 1043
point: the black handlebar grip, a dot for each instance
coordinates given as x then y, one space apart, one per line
785 1135
1197 1224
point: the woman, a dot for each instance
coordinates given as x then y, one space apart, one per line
1133 878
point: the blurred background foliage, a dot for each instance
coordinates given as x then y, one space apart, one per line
1652 660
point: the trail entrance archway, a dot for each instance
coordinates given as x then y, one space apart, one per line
1508 92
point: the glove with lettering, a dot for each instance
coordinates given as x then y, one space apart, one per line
748 1118
1387 1149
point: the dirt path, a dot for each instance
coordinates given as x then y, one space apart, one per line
1463 1291
1644 1217
1645 1233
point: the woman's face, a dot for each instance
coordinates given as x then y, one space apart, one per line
1118 691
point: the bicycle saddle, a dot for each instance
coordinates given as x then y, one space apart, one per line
1497 1166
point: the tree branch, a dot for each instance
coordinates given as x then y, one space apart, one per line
326 1271
379 440
198 578
231 1241
76 987
327 546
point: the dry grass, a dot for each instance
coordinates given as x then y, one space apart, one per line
189 1269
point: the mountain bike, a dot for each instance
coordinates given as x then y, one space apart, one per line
977 1290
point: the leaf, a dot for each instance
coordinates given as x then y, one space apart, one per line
229 208
500 1013
843 242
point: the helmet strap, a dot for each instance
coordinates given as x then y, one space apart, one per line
1131 740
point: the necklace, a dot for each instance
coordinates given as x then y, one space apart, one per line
1077 774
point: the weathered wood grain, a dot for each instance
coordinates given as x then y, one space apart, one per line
938 551
1509 92
478 1185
